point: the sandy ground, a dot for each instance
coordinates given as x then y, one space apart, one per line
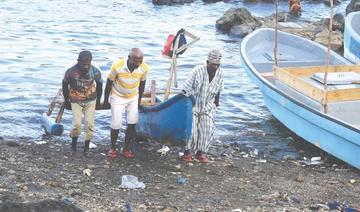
45 177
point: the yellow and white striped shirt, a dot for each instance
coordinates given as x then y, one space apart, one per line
125 82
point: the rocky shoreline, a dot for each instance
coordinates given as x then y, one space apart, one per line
45 177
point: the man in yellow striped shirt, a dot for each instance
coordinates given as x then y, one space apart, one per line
126 81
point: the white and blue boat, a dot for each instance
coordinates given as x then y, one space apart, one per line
352 37
293 90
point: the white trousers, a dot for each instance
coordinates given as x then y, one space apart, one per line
118 105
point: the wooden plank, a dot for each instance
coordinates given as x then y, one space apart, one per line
292 78
299 84
307 71
60 114
53 102
343 95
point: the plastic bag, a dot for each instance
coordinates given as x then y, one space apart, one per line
131 182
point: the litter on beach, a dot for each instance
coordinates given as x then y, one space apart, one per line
131 182
163 150
40 142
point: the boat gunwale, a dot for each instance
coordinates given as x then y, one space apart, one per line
166 104
349 25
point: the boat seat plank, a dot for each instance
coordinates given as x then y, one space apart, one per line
298 78
265 67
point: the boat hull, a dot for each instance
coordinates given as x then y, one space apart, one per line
352 37
169 121
326 132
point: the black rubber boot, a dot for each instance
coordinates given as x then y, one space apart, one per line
73 144
114 136
129 135
87 148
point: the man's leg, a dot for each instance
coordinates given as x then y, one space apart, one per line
89 110
206 136
187 157
132 116
117 107
129 135
73 144
76 125
114 134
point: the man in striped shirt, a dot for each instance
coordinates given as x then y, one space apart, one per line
126 81
205 83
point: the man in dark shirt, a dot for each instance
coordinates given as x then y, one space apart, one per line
82 90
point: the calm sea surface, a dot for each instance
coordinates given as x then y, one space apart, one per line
40 38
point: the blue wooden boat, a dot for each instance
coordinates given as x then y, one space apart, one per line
293 94
352 37
169 121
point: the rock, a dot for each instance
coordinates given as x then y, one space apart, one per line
142 207
12 143
270 20
240 30
353 6
299 179
336 39
87 172
171 2
236 16
338 22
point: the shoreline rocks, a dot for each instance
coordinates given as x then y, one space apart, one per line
240 22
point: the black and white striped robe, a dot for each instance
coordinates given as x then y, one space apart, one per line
203 126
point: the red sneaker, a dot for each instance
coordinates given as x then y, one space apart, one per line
187 157
127 154
202 158
112 153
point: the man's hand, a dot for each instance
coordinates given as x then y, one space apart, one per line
67 105
183 92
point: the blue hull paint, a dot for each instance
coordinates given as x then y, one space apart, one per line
352 37
169 121
331 135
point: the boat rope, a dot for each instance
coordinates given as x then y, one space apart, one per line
276 32
328 57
